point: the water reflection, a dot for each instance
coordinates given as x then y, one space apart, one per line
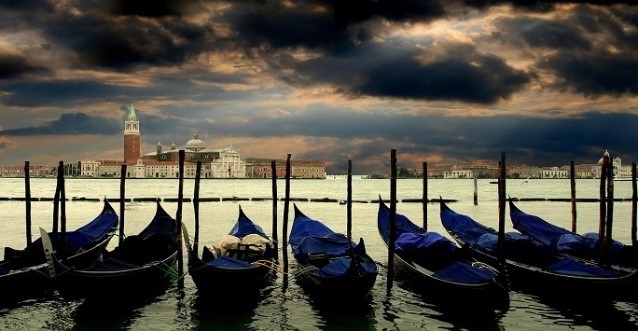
226 312
110 315
598 314
344 313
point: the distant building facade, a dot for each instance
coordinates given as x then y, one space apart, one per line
262 168
216 163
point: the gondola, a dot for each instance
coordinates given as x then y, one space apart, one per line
531 265
23 273
239 264
436 267
329 265
140 265
566 242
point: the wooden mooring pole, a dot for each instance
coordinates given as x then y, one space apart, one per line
603 201
609 223
122 201
275 239
572 180
284 236
425 196
349 202
27 195
198 176
475 175
56 200
501 207
634 203
63 211
178 217
393 217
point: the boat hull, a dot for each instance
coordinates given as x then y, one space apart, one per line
130 282
212 281
352 285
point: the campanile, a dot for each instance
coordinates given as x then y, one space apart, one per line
131 137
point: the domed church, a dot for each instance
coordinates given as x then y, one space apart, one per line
216 163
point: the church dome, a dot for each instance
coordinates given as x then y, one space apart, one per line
195 144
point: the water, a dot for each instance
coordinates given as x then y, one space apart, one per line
291 308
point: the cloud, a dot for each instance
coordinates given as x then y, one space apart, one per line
588 50
16 65
5 143
452 71
71 124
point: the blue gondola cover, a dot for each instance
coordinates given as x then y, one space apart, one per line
464 273
227 262
573 267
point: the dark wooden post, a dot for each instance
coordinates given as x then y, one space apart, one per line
349 202
572 176
275 239
27 195
603 201
63 211
198 176
286 209
634 202
122 201
393 217
609 222
425 196
475 175
178 216
56 199
501 206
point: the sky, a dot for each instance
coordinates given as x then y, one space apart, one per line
443 82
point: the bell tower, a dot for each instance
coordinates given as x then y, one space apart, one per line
131 137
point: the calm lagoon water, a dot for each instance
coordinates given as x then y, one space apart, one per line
289 308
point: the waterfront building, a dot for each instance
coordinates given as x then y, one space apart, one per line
261 168
90 168
458 173
553 172
34 171
216 163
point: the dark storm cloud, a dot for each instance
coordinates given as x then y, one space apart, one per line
29 5
71 124
118 34
460 72
544 33
60 93
149 8
596 74
348 14
593 51
134 41
480 79
13 66
273 24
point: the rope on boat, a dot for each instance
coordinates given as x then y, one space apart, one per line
271 265
381 264
170 270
